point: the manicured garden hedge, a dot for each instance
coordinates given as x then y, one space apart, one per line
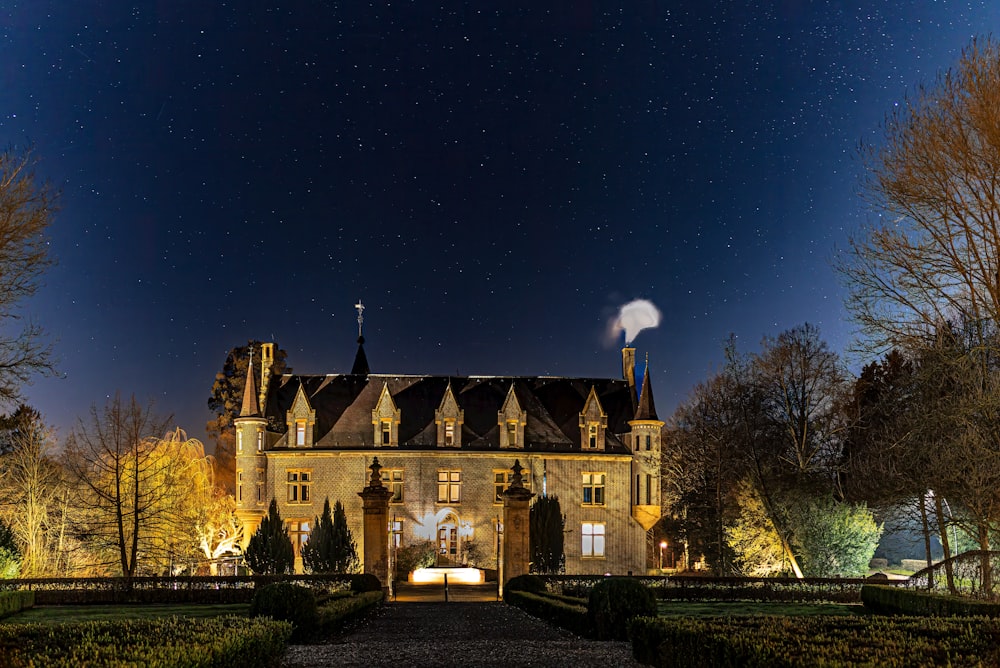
751 642
896 600
12 602
220 642
337 612
570 614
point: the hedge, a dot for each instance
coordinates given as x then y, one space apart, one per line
337 612
893 601
13 602
220 642
784 642
553 609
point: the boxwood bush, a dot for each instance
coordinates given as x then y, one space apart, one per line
12 602
287 602
890 600
528 582
613 602
570 614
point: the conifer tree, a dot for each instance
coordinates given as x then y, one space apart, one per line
317 553
270 550
344 551
545 538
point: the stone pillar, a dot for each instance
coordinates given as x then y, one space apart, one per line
375 499
516 546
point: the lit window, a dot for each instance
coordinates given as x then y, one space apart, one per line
239 441
593 489
298 532
592 434
395 532
511 433
386 432
300 432
449 487
449 432
298 486
593 539
239 485
260 486
501 481
392 479
260 440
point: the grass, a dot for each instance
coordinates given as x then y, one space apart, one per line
57 614
747 608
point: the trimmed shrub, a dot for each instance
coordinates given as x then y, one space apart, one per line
532 583
339 611
13 602
557 610
287 602
613 602
365 582
889 600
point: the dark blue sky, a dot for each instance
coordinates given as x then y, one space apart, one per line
493 182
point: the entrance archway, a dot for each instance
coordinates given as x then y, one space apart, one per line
448 543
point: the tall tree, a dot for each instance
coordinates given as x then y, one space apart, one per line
546 535
330 547
344 549
270 550
225 402
117 484
26 208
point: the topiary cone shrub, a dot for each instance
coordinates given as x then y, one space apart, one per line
613 602
529 583
287 602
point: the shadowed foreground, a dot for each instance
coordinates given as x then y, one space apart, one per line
458 634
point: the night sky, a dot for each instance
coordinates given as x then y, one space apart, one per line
494 183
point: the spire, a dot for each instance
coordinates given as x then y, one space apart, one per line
646 409
251 407
360 367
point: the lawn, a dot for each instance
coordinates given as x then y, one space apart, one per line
745 608
57 614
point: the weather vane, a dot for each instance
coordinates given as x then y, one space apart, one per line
361 317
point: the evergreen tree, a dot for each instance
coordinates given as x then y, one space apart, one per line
545 538
270 550
10 553
344 551
317 553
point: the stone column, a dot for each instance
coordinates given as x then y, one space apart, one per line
375 499
516 546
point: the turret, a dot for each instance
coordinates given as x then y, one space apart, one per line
645 442
251 462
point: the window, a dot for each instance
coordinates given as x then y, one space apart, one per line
592 434
298 486
449 432
449 486
649 488
260 440
260 486
638 481
298 532
300 432
636 441
501 481
395 532
649 440
511 433
593 489
239 440
239 485
392 479
593 539
386 432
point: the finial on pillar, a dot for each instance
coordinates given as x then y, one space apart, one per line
516 480
376 478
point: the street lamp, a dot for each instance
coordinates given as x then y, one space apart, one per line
663 546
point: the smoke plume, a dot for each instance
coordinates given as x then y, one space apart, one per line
637 315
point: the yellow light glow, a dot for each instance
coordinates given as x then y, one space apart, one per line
455 576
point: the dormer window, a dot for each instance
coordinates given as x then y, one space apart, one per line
301 420
300 432
385 420
512 421
592 435
593 423
449 418
449 432
511 433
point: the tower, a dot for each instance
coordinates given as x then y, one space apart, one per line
251 462
645 441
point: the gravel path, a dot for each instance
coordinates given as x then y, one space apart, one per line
458 634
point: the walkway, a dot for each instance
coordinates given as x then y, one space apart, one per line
458 633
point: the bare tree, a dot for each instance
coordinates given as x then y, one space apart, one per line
116 479
26 207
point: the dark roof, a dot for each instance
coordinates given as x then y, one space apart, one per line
361 367
647 408
344 404
251 406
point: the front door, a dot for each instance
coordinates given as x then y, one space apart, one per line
447 544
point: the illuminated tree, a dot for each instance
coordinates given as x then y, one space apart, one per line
546 535
270 550
225 402
118 484
218 529
26 208
10 553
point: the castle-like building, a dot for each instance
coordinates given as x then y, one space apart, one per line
447 445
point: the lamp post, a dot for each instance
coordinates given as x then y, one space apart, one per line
663 546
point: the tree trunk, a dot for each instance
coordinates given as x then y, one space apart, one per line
984 559
943 528
925 527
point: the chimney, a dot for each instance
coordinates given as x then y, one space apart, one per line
266 360
628 372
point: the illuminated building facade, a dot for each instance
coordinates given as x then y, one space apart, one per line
446 445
